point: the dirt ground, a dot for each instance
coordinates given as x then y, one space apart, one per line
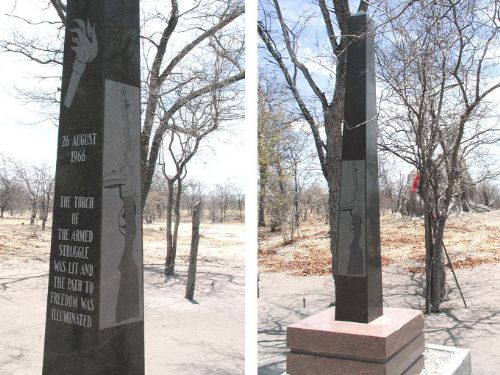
471 239
205 337
299 274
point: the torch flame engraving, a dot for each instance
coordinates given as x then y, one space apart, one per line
85 47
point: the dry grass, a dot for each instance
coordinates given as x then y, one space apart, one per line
216 240
19 239
471 240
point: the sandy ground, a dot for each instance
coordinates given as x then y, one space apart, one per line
205 337
471 239
296 275
476 328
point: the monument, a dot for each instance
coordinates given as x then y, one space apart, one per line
358 336
94 322
358 286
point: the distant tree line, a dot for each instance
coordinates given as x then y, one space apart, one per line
224 202
397 195
289 191
26 188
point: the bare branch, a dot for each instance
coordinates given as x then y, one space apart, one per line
60 8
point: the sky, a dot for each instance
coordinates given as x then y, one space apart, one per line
26 137
314 52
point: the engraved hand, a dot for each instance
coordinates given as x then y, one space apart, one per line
86 51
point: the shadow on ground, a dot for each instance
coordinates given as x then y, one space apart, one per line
476 328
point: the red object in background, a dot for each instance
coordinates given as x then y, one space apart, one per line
414 185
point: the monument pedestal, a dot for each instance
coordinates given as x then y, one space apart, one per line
391 344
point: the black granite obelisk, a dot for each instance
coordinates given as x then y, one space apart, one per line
94 323
359 275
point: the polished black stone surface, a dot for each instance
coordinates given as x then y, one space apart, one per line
359 275
86 333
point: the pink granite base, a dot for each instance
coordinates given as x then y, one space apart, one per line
391 344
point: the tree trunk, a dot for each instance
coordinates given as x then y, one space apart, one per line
43 213
428 255
438 270
458 200
169 269
262 195
33 211
296 197
333 127
173 220
398 203
466 205
434 223
307 208
177 221
193 254
213 214
486 198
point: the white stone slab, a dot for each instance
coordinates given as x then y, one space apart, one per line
446 360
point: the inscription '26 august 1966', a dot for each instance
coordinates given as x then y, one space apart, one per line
78 140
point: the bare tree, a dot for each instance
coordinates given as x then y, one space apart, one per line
285 166
438 72
313 68
313 200
265 140
487 192
193 254
298 161
13 194
193 192
239 194
208 59
223 195
46 176
155 203
393 184
39 182
224 201
191 124
175 81
7 186
189 87
274 117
